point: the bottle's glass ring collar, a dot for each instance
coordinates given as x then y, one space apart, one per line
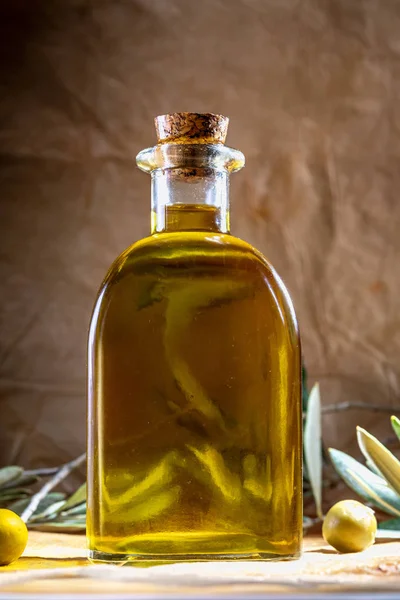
190 156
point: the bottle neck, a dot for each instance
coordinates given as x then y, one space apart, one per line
190 200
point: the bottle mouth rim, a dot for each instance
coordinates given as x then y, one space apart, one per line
190 156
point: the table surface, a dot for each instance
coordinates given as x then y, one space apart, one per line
56 565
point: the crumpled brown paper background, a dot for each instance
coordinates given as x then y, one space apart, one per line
312 88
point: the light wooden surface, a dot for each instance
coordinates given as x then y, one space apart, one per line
56 564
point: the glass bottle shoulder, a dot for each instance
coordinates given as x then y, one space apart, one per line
186 245
189 250
193 255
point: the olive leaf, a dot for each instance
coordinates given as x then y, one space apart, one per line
5 501
385 462
49 513
24 479
304 387
59 527
13 492
9 474
366 484
20 505
390 524
67 518
396 425
77 498
389 529
79 509
313 446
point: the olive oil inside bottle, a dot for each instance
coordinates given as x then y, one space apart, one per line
197 419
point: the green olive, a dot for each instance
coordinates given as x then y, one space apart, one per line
349 526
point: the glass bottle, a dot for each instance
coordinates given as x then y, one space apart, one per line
194 419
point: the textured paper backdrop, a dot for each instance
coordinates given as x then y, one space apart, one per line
312 88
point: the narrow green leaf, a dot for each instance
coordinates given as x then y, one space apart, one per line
20 505
79 509
396 425
23 480
7 498
306 480
49 513
77 498
56 527
14 492
366 484
313 446
381 457
390 524
304 387
72 517
8 474
6 502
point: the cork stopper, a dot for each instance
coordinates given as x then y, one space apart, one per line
191 128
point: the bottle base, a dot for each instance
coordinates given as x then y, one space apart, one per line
146 560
